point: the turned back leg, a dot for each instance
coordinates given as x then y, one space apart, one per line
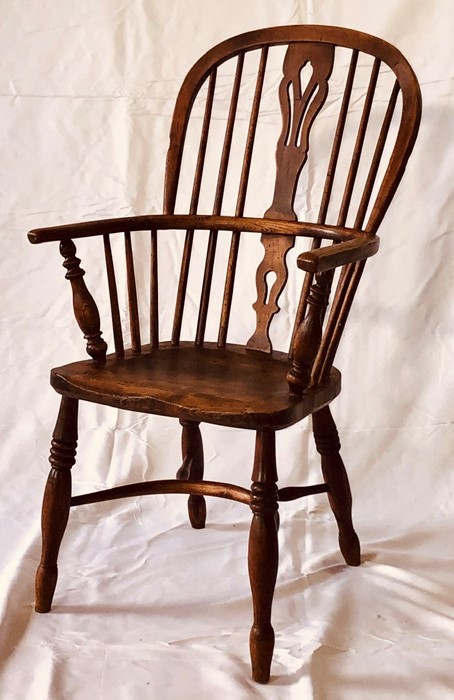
263 553
192 468
57 501
335 475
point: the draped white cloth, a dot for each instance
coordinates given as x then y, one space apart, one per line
146 607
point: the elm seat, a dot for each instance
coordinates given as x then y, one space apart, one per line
229 386
356 155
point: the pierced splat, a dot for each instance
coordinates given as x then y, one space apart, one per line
276 249
299 108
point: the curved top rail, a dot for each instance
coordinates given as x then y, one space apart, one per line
285 35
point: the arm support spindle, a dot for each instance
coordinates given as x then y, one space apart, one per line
85 309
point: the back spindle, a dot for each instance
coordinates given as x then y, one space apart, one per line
218 198
132 295
154 299
348 289
328 188
113 295
376 159
353 170
351 274
334 327
188 243
245 170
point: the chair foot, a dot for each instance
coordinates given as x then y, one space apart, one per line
335 475
192 468
45 583
350 547
197 512
261 645
56 502
263 554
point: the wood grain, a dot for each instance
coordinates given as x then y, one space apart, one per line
231 386
85 309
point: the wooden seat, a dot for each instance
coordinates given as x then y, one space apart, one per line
189 369
229 386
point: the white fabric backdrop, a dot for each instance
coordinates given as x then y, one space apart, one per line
145 607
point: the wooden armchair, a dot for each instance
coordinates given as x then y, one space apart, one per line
245 385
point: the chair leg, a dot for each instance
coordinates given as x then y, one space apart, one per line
56 503
192 468
335 475
263 553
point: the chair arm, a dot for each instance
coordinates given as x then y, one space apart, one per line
308 335
332 256
188 221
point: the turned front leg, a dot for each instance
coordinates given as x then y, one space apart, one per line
334 472
57 501
192 468
263 553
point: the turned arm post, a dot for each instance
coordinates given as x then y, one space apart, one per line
309 334
85 309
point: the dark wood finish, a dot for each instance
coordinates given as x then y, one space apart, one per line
266 306
56 503
263 553
219 195
291 154
327 191
309 336
154 295
132 295
351 276
228 289
113 294
246 386
230 386
277 36
334 156
85 309
297 119
335 256
206 288
182 287
164 222
371 177
147 488
186 259
348 284
353 171
335 475
220 186
290 493
192 468
203 143
235 242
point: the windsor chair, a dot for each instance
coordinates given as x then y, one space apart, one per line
245 384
